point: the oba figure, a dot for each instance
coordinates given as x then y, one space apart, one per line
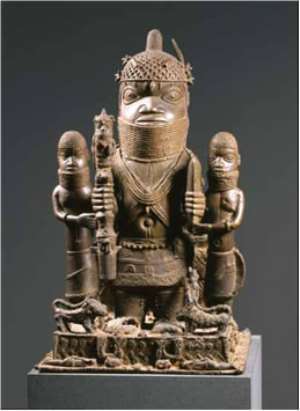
150 179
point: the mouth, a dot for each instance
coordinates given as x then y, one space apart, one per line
70 169
218 170
150 119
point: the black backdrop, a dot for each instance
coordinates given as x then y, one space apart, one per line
58 65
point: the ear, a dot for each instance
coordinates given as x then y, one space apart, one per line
87 153
239 160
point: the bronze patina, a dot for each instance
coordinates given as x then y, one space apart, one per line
152 265
72 205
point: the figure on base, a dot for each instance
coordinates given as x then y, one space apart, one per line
152 264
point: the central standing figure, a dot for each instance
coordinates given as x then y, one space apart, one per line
152 184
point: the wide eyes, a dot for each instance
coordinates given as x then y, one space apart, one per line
227 157
172 95
66 153
130 95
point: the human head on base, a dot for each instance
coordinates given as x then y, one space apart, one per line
223 155
153 101
72 153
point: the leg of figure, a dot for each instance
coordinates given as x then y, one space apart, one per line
106 296
61 325
220 279
130 302
88 325
168 302
216 300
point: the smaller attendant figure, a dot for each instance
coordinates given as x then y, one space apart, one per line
71 201
225 207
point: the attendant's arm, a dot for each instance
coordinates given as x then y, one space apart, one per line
58 210
85 219
238 215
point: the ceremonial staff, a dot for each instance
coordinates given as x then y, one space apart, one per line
194 208
103 200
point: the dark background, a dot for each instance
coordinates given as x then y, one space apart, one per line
58 65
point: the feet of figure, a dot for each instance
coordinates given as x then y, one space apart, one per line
123 326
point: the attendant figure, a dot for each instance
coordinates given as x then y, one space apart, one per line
225 208
71 201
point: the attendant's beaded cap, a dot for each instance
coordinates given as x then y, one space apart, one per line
224 139
72 139
154 64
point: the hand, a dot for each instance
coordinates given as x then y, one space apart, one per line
103 199
87 220
230 226
220 226
206 228
203 228
194 205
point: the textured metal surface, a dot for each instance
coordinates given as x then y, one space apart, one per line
149 192
154 64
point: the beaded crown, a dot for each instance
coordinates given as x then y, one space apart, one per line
154 64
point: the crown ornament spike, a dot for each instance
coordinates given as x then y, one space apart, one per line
154 40
178 51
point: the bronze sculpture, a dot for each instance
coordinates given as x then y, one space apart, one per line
72 205
156 266
225 208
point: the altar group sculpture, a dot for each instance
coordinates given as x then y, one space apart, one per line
152 268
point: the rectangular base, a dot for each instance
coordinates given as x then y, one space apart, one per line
149 391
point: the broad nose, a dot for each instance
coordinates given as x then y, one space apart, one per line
151 105
219 161
70 160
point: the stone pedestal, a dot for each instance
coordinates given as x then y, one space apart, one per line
149 391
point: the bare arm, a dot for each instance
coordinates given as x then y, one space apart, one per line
238 216
84 219
58 210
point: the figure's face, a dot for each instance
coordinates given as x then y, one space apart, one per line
152 103
72 159
103 128
223 159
